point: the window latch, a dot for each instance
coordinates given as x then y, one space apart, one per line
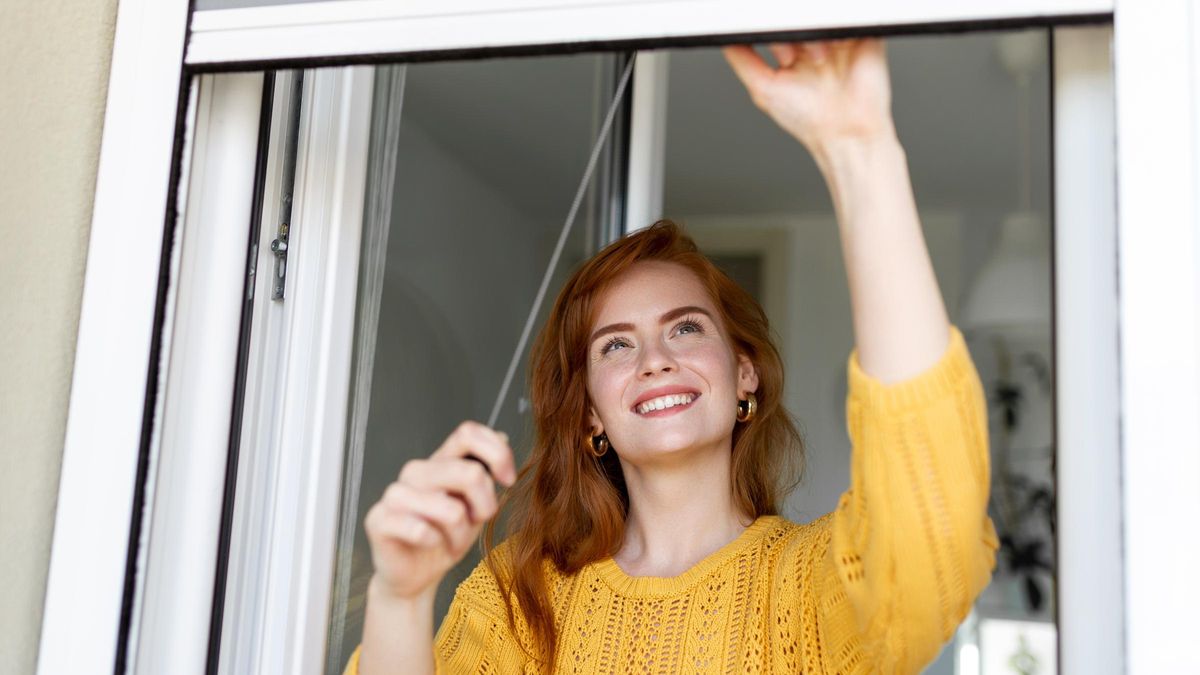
279 247
280 244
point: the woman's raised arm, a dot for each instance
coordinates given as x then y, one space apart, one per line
910 545
835 98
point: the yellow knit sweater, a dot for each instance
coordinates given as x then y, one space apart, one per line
876 586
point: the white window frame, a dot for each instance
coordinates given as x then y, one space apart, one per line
365 27
1142 363
200 346
1085 347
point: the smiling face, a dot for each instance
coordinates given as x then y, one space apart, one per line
663 376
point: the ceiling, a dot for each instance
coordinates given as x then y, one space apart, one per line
527 125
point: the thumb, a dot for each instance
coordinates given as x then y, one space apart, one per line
756 75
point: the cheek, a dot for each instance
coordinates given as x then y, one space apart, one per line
604 388
714 360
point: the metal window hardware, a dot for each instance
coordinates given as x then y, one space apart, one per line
279 245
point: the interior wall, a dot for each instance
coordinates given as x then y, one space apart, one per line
54 61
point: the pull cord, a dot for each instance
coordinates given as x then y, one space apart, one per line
562 240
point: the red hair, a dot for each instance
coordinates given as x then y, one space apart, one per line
569 507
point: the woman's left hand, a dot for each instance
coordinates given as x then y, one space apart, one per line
823 92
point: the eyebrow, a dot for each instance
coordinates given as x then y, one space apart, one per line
673 314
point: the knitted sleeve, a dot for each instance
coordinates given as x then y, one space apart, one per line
912 545
474 636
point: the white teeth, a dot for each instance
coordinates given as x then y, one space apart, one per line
663 402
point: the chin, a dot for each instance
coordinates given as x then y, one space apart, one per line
671 444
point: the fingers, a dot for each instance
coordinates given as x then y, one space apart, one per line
784 53
842 53
816 52
382 523
413 510
465 480
484 443
428 518
821 52
750 68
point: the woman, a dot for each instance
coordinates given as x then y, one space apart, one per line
645 535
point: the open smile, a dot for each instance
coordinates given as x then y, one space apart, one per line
666 405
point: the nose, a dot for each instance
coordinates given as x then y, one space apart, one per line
656 358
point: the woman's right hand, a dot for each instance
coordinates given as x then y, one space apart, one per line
824 92
428 518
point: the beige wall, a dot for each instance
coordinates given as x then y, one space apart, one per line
54 58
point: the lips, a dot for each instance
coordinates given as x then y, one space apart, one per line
673 399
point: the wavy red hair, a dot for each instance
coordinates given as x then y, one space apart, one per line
567 506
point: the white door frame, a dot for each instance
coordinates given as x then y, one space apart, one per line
1158 320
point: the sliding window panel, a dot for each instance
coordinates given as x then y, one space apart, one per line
270 612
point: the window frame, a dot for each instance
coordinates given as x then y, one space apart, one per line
375 28
1145 372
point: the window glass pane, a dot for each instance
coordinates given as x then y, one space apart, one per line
489 157
973 114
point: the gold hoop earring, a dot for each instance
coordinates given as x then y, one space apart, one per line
746 408
599 445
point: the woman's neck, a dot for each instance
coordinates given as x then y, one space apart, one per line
678 516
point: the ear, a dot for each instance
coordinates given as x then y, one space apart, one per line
747 376
597 427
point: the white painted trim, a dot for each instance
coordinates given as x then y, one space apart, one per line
295 423
1158 151
347 28
189 470
647 140
85 586
1091 628
340 11
169 312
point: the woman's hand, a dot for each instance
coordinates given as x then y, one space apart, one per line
823 92
428 518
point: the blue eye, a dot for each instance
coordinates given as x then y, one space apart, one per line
691 325
613 344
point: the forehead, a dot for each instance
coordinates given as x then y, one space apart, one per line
647 290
